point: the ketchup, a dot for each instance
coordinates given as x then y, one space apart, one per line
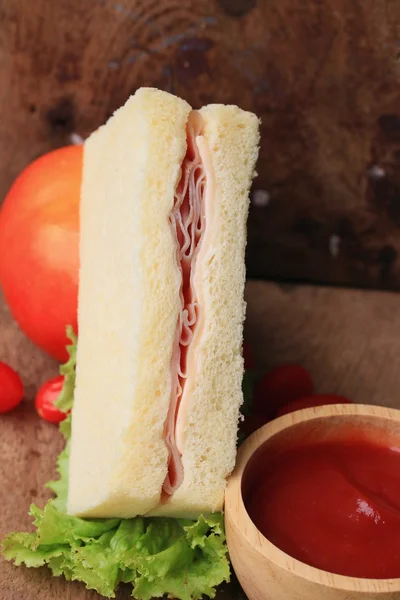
334 505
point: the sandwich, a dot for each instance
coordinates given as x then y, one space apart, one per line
164 204
153 386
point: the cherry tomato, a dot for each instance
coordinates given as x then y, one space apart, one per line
280 386
45 398
39 240
11 388
310 402
248 356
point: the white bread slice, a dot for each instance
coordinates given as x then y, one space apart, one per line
128 307
232 137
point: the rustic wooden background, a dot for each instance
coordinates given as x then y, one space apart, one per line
324 77
322 74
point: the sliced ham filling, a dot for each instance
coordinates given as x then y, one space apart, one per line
188 223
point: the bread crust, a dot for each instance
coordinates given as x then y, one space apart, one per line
231 139
128 259
128 307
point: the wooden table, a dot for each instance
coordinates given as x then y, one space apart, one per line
321 74
350 340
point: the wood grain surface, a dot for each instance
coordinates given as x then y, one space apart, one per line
350 340
321 74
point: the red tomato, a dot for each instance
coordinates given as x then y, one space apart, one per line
280 386
45 398
11 388
311 401
39 238
248 356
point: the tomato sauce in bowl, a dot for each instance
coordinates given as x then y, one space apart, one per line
332 503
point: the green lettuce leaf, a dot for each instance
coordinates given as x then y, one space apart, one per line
157 556
60 485
66 398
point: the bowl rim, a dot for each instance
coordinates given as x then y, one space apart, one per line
234 500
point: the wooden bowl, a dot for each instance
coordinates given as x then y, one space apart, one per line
264 571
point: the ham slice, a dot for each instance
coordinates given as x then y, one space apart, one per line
187 220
